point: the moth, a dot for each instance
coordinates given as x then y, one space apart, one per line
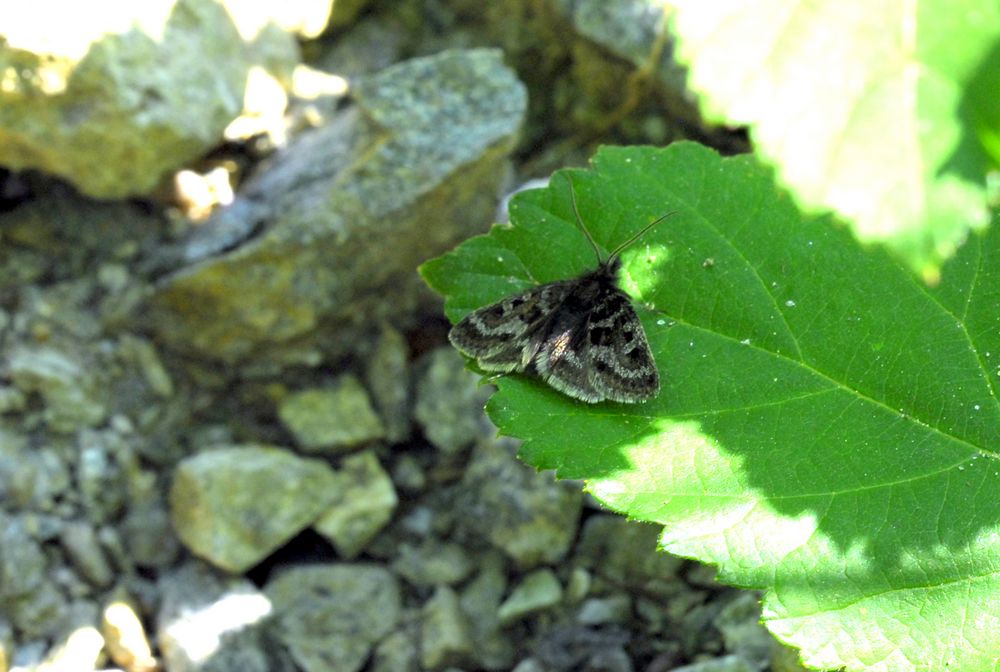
581 335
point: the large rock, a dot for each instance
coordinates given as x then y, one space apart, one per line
330 616
132 92
232 506
330 232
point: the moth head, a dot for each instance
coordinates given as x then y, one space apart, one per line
612 260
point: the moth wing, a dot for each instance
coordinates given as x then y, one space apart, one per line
504 336
562 361
619 361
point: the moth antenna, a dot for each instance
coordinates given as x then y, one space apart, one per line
635 237
579 220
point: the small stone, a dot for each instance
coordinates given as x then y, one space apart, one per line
742 631
33 604
83 549
724 664
529 516
126 639
604 610
444 636
397 653
236 504
537 592
625 552
388 377
578 586
80 652
433 563
209 623
153 371
363 506
449 403
332 419
330 616
69 391
408 474
480 601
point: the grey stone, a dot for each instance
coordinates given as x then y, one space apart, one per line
426 142
34 605
388 377
724 664
104 458
84 551
610 660
538 591
742 631
31 479
69 390
142 352
364 504
449 401
602 610
146 530
625 552
330 616
480 601
146 90
370 46
210 623
527 515
235 504
444 637
332 419
408 474
578 585
432 563
397 653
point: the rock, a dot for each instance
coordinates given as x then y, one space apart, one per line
578 585
125 638
724 664
527 515
397 653
570 647
208 623
234 505
81 651
6 646
147 88
84 551
742 631
427 141
433 563
408 474
146 530
444 637
538 591
330 616
388 376
31 479
364 504
35 606
66 385
480 601
615 608
332 419
104 457
625 553
449 403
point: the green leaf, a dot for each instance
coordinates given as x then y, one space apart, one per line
879 111
828 429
